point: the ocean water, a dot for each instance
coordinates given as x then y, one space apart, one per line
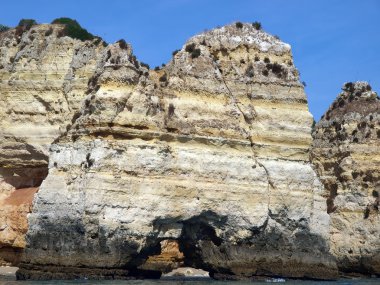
372 281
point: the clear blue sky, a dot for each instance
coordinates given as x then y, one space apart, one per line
333 41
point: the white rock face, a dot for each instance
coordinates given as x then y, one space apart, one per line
43 82
211 151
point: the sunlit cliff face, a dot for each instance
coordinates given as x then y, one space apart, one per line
203 163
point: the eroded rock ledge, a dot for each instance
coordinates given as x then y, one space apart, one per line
211 152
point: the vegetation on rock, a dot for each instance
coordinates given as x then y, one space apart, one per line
24 25
73 29
194 52
175 52
27 23
144 64
257 25
190 48
122 44
3 28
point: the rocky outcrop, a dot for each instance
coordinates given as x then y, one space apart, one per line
43 80
212 152
346 154
188 273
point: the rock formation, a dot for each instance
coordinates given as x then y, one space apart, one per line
211 152
43 80
203 163
346 154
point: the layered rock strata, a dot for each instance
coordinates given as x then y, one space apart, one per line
212 152
346 154
43 80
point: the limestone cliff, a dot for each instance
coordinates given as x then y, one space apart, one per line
43 80
346 153
212 152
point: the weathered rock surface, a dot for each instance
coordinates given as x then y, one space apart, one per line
13 223
346 154
212 151
43 80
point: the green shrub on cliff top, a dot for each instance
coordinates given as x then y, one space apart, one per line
239 25
3 28
73 29
27 23
257 25
24 25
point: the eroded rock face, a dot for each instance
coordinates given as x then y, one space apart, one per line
346 153
13 223
212 152
43 80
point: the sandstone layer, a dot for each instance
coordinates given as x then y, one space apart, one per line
346 154
43 80
212 152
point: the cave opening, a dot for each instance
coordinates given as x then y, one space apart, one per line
18 187
21 178
183 246
171 263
